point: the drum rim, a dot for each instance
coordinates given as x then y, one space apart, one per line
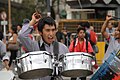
32 53
77 53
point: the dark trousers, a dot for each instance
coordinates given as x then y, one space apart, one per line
82 78
13 56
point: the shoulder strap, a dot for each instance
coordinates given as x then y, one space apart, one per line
42 48
56 49
86 37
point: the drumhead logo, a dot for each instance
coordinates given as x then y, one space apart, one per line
84 61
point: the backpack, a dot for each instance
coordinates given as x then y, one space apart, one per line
92 37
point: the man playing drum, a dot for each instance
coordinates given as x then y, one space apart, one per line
47 29
79 45
114 40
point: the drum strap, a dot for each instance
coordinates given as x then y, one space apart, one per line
55 48
42 48
86 37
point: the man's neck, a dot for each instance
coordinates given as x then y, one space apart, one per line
81 39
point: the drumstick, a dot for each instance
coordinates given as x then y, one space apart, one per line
38 13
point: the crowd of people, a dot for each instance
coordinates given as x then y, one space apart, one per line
50 37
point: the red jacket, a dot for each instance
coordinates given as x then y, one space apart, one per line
80 47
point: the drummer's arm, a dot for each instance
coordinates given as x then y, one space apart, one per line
104 26
4 55
24 38
25 31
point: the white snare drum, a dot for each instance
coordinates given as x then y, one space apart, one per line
77 64
34 65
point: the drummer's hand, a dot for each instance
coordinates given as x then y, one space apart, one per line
6 64
35 18
109 17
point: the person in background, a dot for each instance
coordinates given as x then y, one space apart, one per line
47 29
19 27
114 40
13 40
60 36
91 28
110 29
2 38
79 45
66 36
4 57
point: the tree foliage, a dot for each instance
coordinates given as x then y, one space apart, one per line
25 10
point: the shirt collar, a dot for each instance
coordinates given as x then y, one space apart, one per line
42 42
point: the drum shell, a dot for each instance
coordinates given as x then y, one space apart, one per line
110 67
34 65
77 64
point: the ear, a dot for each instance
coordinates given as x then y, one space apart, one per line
40 33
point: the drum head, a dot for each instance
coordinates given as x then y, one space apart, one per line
77 73
37 73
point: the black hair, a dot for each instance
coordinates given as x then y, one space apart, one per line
81 28
19 25
45 20
85 24
1 35
14 28
25 21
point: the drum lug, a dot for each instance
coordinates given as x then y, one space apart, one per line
19 65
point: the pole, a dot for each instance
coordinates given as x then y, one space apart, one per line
4 31
48 8
9 14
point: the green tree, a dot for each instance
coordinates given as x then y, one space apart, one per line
25 10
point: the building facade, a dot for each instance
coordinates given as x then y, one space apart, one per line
92 9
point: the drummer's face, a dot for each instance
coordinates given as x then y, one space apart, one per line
81 34
48 33
117 33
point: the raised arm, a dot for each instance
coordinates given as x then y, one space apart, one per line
104 26
27 29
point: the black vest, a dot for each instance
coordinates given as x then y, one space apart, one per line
55 48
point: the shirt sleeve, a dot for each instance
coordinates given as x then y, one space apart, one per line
24 38
3 52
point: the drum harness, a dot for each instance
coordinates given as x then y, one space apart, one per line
56 73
